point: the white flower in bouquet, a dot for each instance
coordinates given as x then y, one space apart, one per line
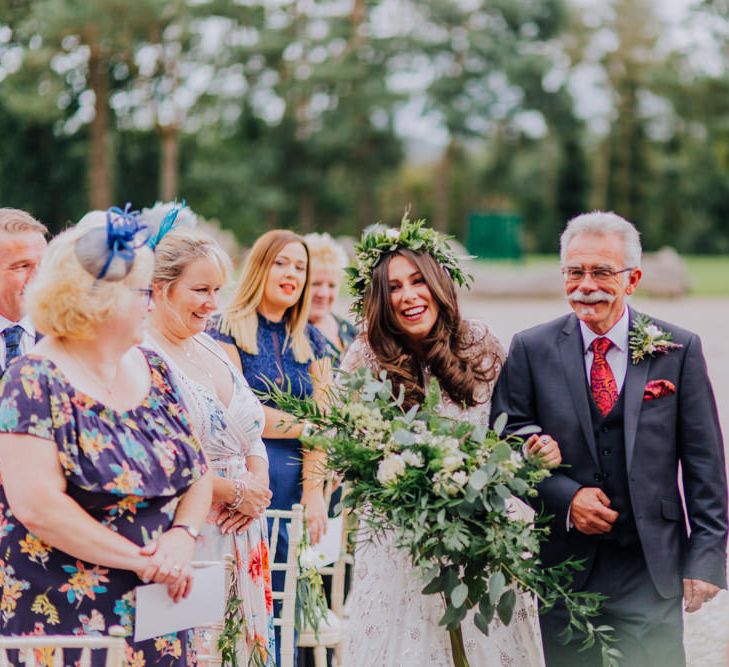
453 461
449 444
370 425
460 478
419 427
414 459
449 484
390 468
517 459
393 234
310 558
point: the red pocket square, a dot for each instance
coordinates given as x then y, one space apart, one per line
658 389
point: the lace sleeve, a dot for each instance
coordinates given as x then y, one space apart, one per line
358 355
494 354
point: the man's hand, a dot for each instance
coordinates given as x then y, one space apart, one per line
544 448
590 511
696 592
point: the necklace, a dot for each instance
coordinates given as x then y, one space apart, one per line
184 348
108 388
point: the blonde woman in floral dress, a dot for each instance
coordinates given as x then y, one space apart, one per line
413 330
190 268
102 476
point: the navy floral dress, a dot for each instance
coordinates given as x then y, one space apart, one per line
128 470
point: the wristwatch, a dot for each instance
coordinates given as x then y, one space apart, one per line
194 533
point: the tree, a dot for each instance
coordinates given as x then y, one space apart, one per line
77 51
473 50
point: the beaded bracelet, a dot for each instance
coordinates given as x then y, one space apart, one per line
240 488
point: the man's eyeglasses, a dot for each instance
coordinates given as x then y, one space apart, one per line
575 275
145 291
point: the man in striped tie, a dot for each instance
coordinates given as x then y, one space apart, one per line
630 403
22 244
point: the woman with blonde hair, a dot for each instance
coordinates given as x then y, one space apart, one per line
104 483
265 330
328 261
190 268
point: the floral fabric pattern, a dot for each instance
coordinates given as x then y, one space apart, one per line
127 469
228 435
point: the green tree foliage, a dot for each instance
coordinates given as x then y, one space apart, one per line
295 113
41 171
76 53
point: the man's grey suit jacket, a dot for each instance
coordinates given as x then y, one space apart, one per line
544 382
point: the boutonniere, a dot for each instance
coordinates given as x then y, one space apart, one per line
646 339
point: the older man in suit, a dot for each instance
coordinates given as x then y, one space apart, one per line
22 244
629 401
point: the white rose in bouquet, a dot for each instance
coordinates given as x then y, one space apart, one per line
390 468
412 458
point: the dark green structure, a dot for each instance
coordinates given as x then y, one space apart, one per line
495 235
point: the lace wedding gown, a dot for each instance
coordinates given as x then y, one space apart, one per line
391 623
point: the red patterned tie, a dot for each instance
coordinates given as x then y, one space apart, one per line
602 381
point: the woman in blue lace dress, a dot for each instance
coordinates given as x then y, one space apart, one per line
103 482
265 331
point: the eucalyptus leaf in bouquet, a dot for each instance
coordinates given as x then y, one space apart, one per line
446 490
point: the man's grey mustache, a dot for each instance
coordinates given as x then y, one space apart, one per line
578 296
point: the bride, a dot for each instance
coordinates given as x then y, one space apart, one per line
414 331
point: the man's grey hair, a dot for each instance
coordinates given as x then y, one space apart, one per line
601 223
15 221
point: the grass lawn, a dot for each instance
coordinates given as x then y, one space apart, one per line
709 273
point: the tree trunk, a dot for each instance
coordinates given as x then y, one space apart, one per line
100 146
442 188
306 212
169 161
365 203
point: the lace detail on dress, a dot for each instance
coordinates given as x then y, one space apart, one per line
392 624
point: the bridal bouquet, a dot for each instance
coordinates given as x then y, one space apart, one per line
444 489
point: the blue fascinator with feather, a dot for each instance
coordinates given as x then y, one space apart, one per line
108 251
164 217
167 223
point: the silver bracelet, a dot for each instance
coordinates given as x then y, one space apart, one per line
240 488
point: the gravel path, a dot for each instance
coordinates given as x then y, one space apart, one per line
707 631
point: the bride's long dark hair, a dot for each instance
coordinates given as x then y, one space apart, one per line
454 358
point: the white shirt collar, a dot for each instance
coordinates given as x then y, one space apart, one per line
24 322
618 334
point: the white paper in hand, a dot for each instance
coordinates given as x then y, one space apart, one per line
158 615
330 544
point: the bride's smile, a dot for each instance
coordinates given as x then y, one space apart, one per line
412 302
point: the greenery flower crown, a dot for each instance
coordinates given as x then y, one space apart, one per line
412 235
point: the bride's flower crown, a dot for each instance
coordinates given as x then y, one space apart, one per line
380 240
